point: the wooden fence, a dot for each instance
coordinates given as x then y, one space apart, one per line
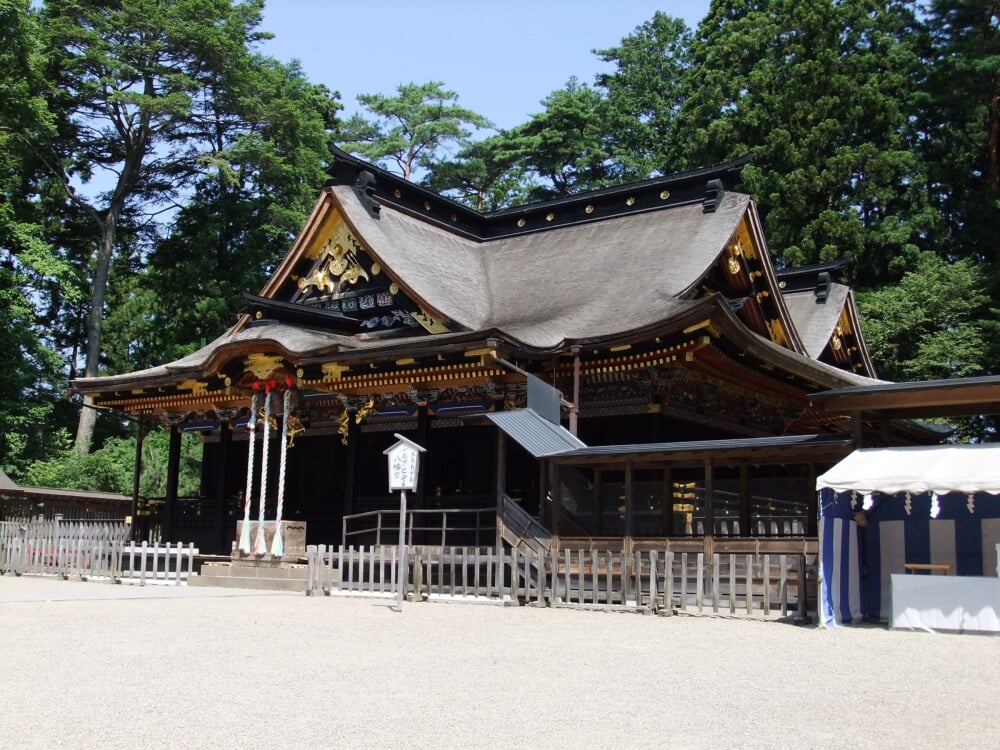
648 580
91 550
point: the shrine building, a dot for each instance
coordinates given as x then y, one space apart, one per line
624 363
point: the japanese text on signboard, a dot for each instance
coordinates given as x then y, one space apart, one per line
403 468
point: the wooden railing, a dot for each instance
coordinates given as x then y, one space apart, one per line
90 550
518 528
651 580
425 525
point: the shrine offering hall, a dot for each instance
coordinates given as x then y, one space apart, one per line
623 364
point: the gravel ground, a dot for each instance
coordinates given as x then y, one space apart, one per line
93 665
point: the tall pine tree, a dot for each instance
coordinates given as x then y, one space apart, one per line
821 94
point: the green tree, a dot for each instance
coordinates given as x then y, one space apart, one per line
269 152
414 129
566 147
822 95
133 78
483 175
934 323
32 377
111 468
961 125
645 93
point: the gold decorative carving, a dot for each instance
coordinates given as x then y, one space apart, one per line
549 216
343 425
335 262
589 209
664 195
630 201
318 279
196 387
521 222
261 366
334 370
429 324
835 343
365 410
295 428
733 264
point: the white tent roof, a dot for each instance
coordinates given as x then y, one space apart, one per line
933 468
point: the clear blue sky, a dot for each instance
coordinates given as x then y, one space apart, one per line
502 57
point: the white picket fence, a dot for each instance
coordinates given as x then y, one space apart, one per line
91 550
661 581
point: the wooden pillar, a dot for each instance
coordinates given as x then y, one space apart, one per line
709 509
812 505
745 501
173 470
501 482
629 508
226 535
597 503
555 493
883 424
417 500
350 465
136 478
574 411
668 501
857 429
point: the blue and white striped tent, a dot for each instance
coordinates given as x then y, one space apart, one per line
881 508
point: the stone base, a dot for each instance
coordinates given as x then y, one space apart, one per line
272 575
293 538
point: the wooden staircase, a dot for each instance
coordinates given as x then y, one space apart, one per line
525 534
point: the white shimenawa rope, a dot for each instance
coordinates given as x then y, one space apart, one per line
260 545
277 543
251 427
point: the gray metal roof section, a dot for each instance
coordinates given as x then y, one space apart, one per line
910 386
700 446
536 435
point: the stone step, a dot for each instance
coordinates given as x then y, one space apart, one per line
288 577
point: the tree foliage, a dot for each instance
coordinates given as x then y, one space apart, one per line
645 93
111 468
961 125
821 94
136 82
33 377
411 130
930 325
